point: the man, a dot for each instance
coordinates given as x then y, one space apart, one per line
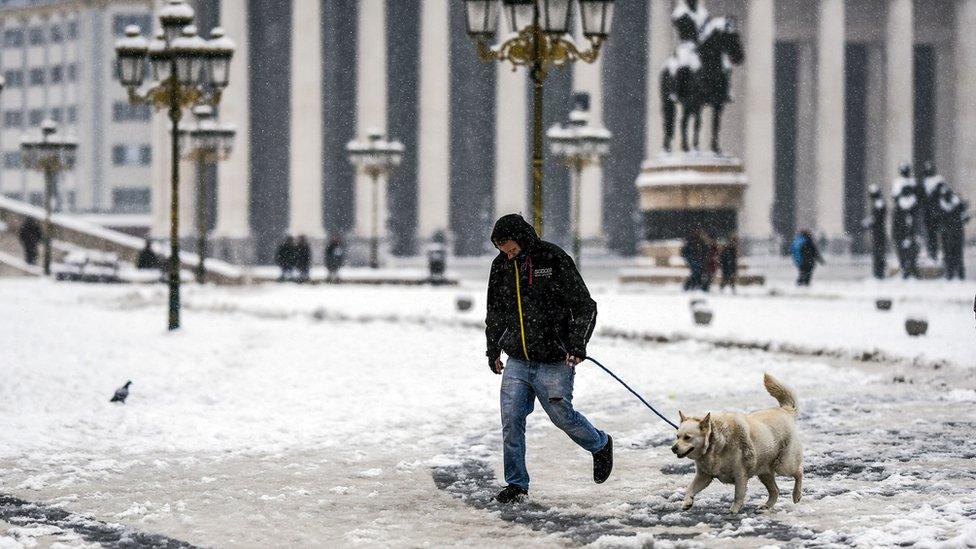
877 222
335 255
905 221
541 314
303 258
805 256
285 258
147 258
930 192
30 235
953 225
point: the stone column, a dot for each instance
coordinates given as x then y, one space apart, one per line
370 113
899 85
660 46
964 180
433 170
305 149
588 78
760 137
876 170
831 40
805 175
511 142
232 234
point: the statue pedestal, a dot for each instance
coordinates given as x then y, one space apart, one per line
684 192
681 193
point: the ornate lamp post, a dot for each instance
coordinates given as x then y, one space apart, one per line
52 155
538 40
207 142
186 70
375 157
579 145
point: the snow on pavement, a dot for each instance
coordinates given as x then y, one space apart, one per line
269 421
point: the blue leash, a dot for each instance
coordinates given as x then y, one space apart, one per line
607 370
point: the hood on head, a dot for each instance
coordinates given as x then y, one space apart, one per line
514 227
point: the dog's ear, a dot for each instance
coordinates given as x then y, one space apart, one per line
704 423
681 416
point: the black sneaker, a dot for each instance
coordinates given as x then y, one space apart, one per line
511 494
603 462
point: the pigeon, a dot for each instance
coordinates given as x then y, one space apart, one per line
121 393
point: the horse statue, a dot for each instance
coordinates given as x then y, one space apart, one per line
698 73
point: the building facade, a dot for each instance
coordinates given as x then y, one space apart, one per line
57 58
834 94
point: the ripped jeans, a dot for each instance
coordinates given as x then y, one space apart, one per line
522 382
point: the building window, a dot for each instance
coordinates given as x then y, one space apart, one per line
11 160
37 77
35 36
123 20
57 34
13 38
72 30
72 114
13 78
35 117
72 72
36 198
130 200
57 74
131 155
123 111
13 119
72 200
57 114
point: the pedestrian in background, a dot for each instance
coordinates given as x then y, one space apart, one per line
729 263
877 222
711 263
303 258
147 258
285 258
806 255
953 225
905 221
695 252
30 235
335 256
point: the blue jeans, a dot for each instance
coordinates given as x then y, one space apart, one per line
522 383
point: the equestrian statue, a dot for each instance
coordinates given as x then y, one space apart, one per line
698 73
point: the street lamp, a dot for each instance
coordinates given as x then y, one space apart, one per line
51 155
538 39
375 157
579 145
207 142
186 71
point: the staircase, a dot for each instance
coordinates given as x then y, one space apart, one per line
69 232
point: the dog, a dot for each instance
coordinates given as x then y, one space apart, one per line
733 447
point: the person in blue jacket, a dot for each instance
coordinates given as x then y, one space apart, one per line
805 257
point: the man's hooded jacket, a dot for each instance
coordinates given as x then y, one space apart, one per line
538 306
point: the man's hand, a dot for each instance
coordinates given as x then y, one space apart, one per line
495 365
572 360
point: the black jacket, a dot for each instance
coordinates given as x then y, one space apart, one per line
538 306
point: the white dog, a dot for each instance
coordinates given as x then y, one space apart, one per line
733 447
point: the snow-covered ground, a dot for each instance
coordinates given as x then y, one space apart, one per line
320 416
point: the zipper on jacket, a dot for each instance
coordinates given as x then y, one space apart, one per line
518 296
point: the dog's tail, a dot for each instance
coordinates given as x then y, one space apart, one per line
783 395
